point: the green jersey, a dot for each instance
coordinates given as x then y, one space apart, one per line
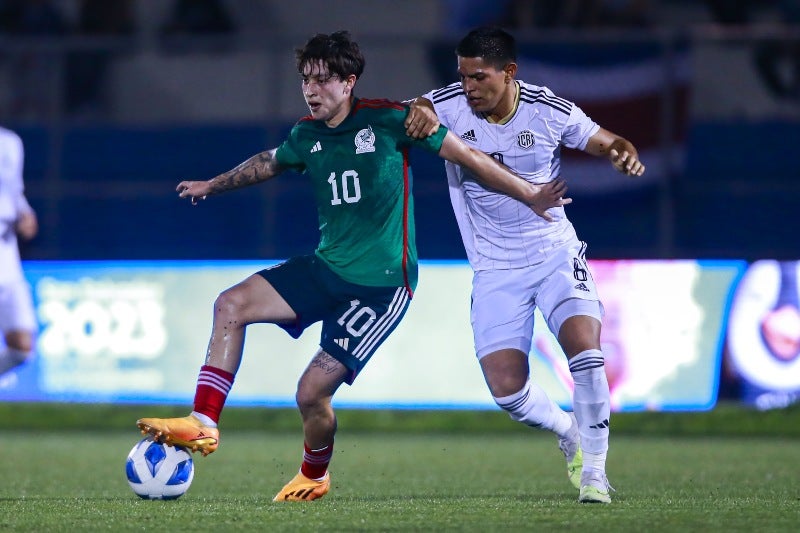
362 185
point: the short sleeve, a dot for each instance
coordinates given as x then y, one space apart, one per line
578 129
432 143
287 155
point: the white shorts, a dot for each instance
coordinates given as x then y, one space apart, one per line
503 301
16 307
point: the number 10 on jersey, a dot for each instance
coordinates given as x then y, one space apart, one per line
348 184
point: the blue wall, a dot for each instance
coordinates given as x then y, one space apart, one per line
109 194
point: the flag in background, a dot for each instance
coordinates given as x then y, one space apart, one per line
639 90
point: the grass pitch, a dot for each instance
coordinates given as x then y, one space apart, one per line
70 480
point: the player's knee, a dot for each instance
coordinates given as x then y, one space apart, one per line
309 401
506 371
20 341
229 304
503 386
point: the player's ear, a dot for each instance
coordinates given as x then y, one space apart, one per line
350 81
510 71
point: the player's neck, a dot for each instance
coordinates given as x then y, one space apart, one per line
342 113
507 106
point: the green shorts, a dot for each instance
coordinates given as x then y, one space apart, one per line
356 319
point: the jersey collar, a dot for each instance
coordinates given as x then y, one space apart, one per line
506 118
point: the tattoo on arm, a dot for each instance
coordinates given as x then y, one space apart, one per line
258 168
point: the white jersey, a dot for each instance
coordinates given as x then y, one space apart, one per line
12 204
498 231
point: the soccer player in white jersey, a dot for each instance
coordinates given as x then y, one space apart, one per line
17 320
521 260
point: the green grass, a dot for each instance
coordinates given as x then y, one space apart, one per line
64 474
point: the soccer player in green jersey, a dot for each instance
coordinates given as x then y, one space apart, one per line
360 279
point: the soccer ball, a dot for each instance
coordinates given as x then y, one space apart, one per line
156 471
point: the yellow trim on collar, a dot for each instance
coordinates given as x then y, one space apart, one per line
506 118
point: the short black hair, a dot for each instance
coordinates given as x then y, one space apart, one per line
493 44
337 51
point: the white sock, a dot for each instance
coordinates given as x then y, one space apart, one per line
592 403
11 358
533 407
594 461
204 419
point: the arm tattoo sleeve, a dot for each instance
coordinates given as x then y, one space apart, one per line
258 168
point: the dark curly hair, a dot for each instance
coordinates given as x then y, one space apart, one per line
337 51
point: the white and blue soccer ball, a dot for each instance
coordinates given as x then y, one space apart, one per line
156 471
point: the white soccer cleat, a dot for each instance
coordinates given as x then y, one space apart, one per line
595 487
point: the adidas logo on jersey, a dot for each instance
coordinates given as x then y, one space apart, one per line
582 287
342 342
469 136
316 148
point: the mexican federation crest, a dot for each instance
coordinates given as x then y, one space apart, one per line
525 139
365 141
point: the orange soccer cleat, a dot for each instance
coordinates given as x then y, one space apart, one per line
188 432
302 489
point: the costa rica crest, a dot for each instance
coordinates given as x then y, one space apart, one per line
525 139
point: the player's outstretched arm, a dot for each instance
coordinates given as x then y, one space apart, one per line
618 150
494 175
257 169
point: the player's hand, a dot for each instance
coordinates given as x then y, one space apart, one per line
626 162
421 121
549 195
194 190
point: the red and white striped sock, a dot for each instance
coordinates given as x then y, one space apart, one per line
213 386
315 462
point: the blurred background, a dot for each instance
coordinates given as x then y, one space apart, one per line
118 100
